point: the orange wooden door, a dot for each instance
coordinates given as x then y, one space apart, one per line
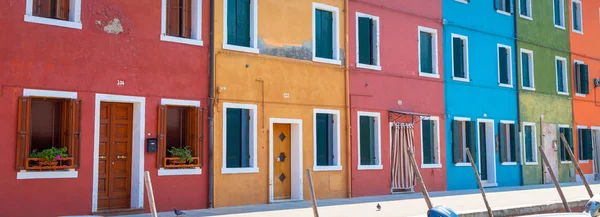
282 168
114 172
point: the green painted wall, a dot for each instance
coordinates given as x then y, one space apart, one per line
546 41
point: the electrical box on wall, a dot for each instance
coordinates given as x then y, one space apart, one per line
151 144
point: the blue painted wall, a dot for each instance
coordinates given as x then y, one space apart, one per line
481 97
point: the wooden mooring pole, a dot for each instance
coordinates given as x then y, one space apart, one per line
553 176
419 178
312 194
150 194
487 205
576 163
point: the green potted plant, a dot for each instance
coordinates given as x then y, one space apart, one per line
49 156
184 154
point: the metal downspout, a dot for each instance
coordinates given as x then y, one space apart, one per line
211 91
347 102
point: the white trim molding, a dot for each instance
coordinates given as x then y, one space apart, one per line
533 142
297 192
565 75
436 140
179 172
434 52
529 53
377 125
336 34
65 174
253 29
336 140
575 76
50 93
74 21
196 32
562 15
253 168
579 15
510 65
377 43
465 40
179 102
529 15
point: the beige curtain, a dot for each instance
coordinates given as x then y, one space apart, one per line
402 140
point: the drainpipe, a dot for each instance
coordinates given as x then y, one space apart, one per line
211 92
518 83
347 102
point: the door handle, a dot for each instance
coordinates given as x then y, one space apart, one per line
122 157
103 157
113 163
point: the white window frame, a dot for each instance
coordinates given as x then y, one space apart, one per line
533 142
336 34
575 76
580 15
464 135
465 56
436 141
196 32
579 144
504 12
507 135
562 15
60 174
529 15
252 140
377 117
462 1
566 154
565 75
377 66
186 171
434 58
531 69
253 29
510 65
336 140
74 21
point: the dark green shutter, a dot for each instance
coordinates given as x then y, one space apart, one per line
557 13
459 62
238 22
426 44
575 16
577 75
471 127
245 137
366 140
365 40
581 143
232 22
525 71
515 149
585 89
529 146
503 142
503 61
234 138
569 137
322 140
324 34
587 145
524 10
561 146
457 148
427 142
559 76
330 151
509 7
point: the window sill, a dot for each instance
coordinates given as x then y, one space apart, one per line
370 167
429 75
462 1
460 79
239 170
240 48
189 41
563 93
462 164
53 22
525 17
366 66
327 168
531 163
179 172
430 166
329 61
565 162
70 174
578 31
509 164
529 88
488 185
559 27
505 85
581 95
583 161
504 13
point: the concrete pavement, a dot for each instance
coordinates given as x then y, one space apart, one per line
507 201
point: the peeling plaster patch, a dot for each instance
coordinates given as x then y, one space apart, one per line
114 27
303 53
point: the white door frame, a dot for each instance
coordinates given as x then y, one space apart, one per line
491 148
137 155
295 158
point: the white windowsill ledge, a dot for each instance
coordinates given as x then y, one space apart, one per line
509 164
525 17
580 95
529 88
70 174
584 161
531 163
189 41
370 167
487 185
179 172
52 22
504 13
462 164
505 85
327 168
240 48
460 79
559 27
429 75
563 93
430 166
578 32
367 66
565 162
239 170
328 61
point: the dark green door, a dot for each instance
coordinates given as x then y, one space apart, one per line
483 151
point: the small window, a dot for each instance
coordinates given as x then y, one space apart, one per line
326 34
577 17
559 13
182 21
581 78
64 13
460 57
504 66
428 62
525 9
567 132
327 146
180 137
431 142
530 143
369 141
503 6
527 74
464 135
561 76
239 138
585 144
368 41
509 142
240 25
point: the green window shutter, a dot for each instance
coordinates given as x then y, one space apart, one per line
509 6
457 148
365 40
587 145
427 142
426 44
569 137
523 8
238 22
577 74
471 127
322 140
503 141
234 138
515 149
557 14
584 77
232 22
324 34
525 69
245 137
330 151
529 144
458 53
581 144
561 146
575 16
503 61
559 76
366 140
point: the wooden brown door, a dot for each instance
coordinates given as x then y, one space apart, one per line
282 167
114 166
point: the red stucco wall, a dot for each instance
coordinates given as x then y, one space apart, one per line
90 61
380 91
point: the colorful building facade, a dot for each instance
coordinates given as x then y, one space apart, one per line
280 101
480 93
545 107
385 74
90 77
